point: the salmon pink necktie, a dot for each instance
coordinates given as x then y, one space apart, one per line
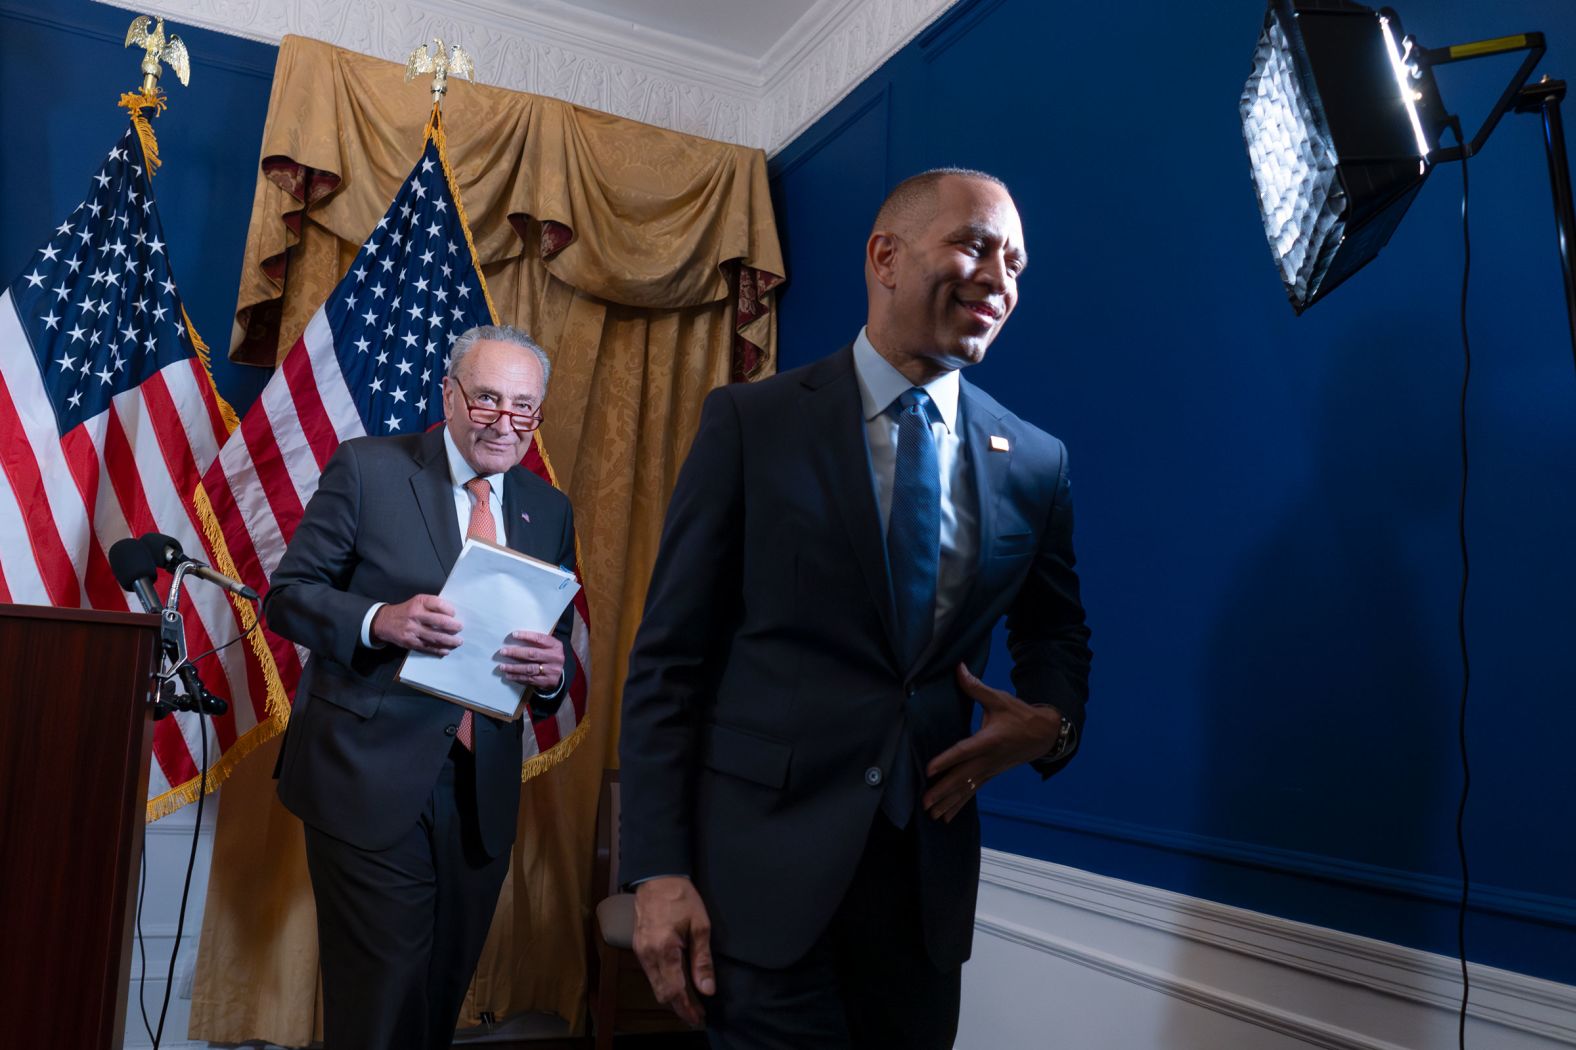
482 527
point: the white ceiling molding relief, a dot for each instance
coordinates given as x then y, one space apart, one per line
683 81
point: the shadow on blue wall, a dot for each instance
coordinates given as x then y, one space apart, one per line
1266 503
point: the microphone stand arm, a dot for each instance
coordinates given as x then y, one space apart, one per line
172 633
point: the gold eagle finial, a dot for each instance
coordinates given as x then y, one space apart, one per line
442 65
155 50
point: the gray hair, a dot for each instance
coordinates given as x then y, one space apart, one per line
497 333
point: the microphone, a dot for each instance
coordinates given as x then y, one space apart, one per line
167 554
135 571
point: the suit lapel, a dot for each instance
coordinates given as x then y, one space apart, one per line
836 411
516 523
990 468
434 492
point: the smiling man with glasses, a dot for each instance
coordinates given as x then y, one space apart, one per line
409 801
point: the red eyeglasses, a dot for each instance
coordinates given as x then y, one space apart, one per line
482 416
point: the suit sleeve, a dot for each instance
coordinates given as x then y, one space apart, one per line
1046 634
307 601
692 608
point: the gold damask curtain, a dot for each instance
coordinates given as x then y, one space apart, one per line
644 261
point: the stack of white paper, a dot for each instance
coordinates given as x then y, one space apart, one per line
495 591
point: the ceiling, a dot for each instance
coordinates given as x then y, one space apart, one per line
751 72
748 29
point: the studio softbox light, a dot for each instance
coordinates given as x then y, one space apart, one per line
1339 121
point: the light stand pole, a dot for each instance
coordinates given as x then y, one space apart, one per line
1544 98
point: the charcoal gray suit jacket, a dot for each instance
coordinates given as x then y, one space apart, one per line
362 751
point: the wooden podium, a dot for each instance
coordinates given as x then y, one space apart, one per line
75 737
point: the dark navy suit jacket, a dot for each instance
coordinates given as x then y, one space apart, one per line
362 751
765 700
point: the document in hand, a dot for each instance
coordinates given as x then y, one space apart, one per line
495 591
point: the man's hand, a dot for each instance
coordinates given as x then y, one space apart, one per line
423 624
538 660
1011 732
670 921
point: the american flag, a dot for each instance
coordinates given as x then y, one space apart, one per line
371 361
108 417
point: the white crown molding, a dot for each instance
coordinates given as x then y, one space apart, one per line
828 53
594 60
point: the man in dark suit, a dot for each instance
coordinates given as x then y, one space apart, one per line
410 801
797 763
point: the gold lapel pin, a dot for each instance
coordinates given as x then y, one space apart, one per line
999 443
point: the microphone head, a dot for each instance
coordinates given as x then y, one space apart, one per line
130 561
165 550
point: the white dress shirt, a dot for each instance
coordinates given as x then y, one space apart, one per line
460 472
879 385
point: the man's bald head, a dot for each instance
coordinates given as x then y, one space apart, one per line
912 202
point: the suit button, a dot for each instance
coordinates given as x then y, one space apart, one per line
450 730
912 690
873 776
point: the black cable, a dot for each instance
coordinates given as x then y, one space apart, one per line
142 950
191 866
256 622
1461 620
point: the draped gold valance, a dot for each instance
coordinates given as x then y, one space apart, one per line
629 213
644 261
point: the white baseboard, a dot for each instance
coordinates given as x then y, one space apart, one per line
1064 958
1067 959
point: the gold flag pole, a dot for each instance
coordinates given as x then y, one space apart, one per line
441 64
156 51
457 62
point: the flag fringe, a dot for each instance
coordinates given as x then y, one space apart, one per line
185 794
434 132
554 755
206 357
136 102
276 705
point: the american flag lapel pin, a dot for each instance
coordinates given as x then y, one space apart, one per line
999 443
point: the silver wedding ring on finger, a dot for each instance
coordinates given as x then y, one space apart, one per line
538 671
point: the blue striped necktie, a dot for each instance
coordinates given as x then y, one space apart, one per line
914 527
914 560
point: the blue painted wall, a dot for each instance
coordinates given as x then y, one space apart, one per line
62 70
1266 504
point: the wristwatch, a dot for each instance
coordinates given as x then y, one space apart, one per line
1066 739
